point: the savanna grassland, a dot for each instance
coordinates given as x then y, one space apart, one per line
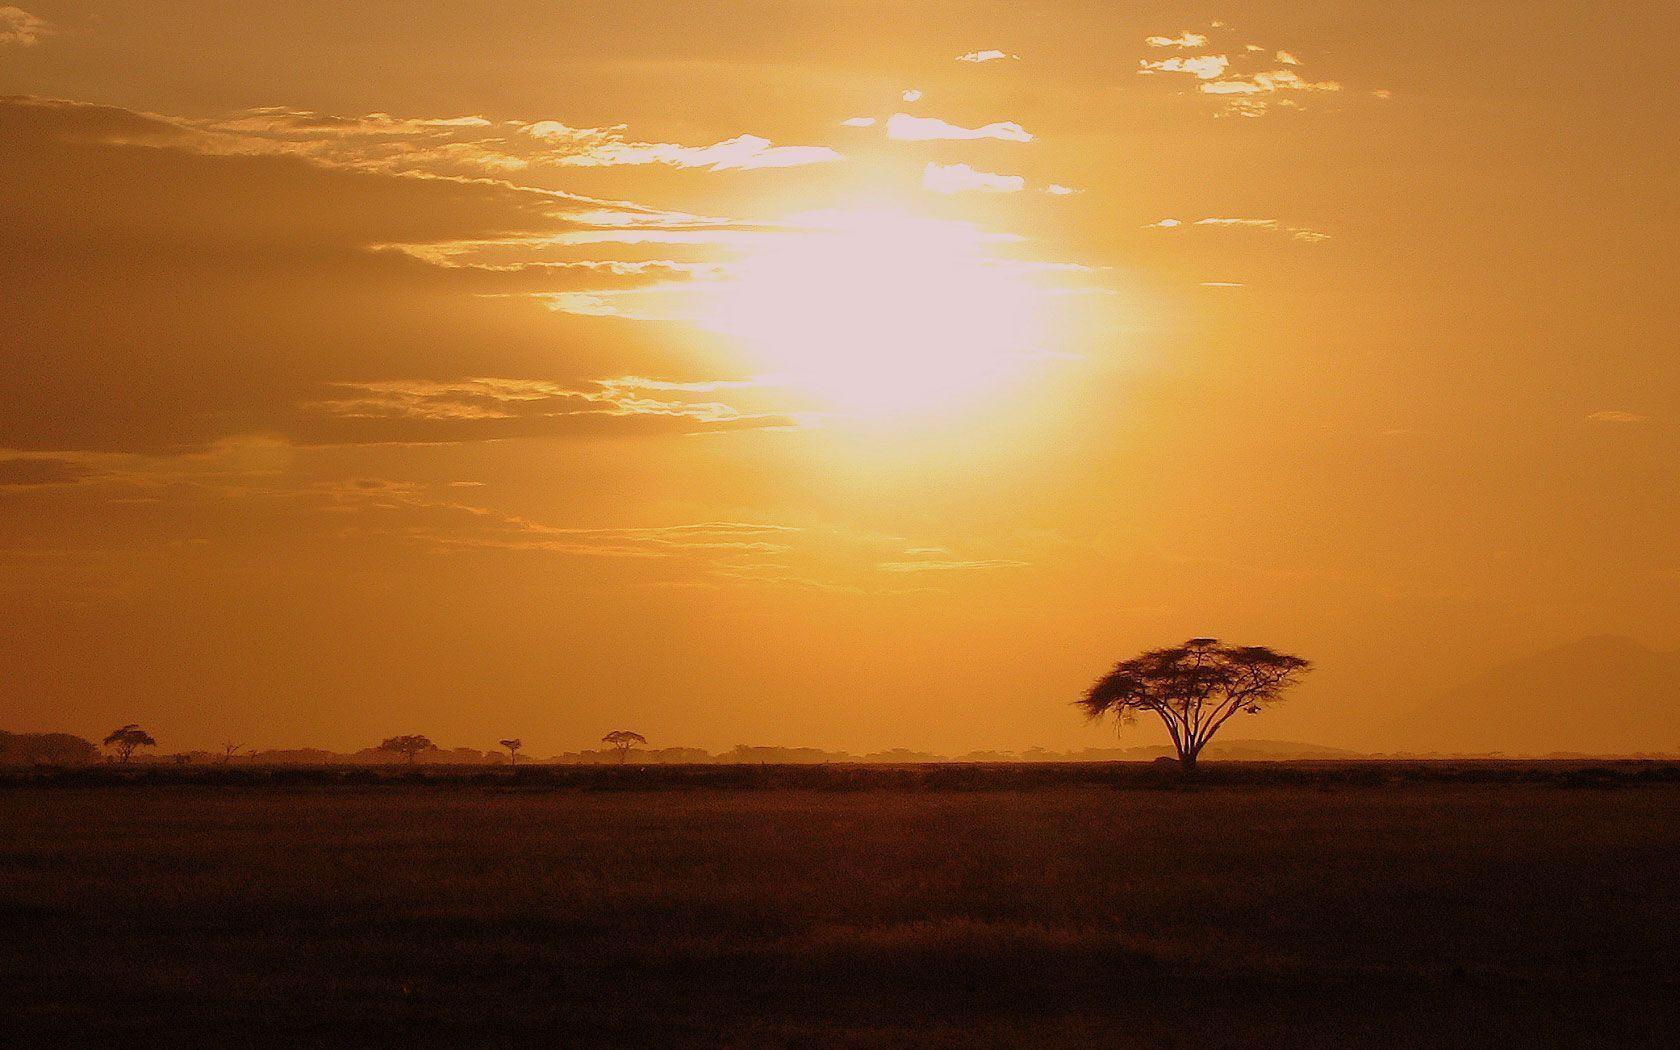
1312 909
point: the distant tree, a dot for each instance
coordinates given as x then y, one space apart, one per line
513 747
228 751
126 739
406 746
622 739
1194 689
46 749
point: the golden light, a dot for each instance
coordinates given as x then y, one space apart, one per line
880 312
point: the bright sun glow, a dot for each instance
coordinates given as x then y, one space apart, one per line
882 311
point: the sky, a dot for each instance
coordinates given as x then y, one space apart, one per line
844 374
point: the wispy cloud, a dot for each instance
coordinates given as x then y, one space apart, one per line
907 128
1612 415
1300 233
1183 39
443 411
945 563
1248 85
989 55
1268 83
381 140
741 153
960 178
1206 67
33 471
22 29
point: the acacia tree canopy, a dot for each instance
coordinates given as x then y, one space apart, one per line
1194 688
622 739
127 738
406 746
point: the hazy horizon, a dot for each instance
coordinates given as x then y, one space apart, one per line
845 374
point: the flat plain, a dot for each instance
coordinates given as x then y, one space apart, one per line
990 906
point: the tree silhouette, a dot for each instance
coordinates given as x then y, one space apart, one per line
126 739
228 751
513 747
406 746
1194 689
621 739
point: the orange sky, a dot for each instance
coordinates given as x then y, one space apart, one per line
847 374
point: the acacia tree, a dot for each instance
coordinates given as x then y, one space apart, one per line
406 746
513 747
126 739
621 739
1194 689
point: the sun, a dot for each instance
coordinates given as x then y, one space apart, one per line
882 312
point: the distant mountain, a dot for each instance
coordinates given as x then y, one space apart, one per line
1599 696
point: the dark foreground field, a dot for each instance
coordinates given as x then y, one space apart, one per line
1305 908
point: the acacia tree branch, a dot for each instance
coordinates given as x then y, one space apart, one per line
1172 729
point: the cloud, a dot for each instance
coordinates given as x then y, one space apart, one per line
1184 39
455 410
187 283
858 122
1616 416
1206 67
464 143
960 178
912 95
413 514
1300 233
1241 88
31 471
907 128
507 532
279 121
1268 83
741 153
946 564
606 147
20 28
1058 190
989 55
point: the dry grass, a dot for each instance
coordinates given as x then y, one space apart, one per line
471 913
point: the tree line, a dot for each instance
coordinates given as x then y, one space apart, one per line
1193 689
